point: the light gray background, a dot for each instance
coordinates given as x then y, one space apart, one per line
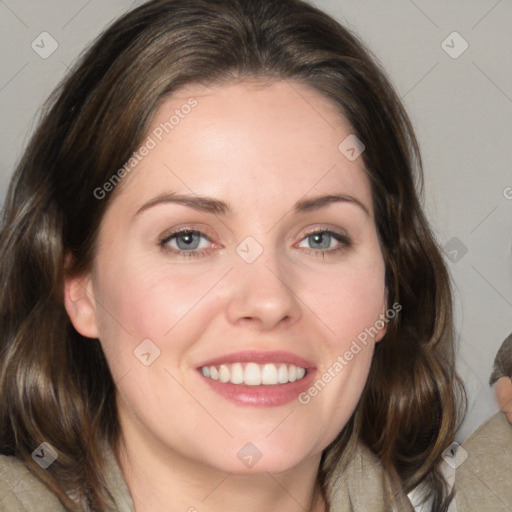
461 109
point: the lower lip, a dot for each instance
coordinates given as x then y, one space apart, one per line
263 395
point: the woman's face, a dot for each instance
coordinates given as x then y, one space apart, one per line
279 280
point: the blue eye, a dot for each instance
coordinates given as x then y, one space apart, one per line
322 239
186 242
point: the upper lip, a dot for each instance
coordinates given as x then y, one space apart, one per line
259 357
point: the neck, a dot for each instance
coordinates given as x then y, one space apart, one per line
162 479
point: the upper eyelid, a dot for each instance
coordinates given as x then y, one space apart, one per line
177 231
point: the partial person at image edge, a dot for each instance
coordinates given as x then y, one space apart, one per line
483 481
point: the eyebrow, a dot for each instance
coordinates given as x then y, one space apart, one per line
215 206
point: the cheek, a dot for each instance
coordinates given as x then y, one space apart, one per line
139 301
351 302
352 307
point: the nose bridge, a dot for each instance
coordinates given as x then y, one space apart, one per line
262 290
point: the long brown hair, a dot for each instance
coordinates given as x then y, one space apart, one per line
55 385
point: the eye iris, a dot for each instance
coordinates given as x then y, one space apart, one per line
189 239
319 238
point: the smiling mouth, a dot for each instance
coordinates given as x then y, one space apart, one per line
254 374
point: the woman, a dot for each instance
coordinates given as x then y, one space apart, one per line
255 369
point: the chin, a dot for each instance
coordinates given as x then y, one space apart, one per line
260 467
250 458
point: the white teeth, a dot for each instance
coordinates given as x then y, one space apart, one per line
269 374
224 374
237 373
282 375
253 374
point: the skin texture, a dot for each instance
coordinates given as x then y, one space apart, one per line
259 148
503 391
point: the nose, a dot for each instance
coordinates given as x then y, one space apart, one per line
261 294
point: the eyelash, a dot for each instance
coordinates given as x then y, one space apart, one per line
342 239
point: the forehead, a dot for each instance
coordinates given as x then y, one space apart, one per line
233 140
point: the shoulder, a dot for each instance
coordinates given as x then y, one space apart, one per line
21 491
363 485
483 480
